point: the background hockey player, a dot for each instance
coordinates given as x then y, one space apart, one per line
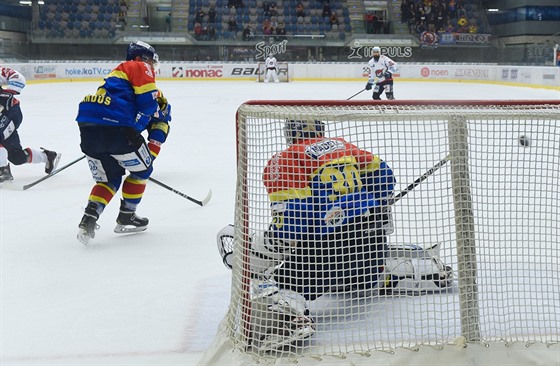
111 122
381 75
330 221
271 65
12 82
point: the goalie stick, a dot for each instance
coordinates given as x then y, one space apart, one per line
198 202
419 180
54 172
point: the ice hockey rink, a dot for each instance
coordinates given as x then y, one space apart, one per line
153 298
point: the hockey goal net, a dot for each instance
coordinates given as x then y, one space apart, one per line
490 200
283 72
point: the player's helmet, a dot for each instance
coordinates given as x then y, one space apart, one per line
376 53
302 129
143 50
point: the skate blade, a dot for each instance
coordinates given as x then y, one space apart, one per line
123 229
83 237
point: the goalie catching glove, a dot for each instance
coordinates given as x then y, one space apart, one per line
266 252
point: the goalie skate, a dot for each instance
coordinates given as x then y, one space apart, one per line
280 317
295 330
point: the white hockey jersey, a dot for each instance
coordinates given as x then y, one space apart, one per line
381 68
271 63
11 80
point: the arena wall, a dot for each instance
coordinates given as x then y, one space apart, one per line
540 77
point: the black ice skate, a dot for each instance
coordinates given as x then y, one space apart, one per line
52 160
6 174
88 225
128 222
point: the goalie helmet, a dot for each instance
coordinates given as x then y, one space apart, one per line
302 129
143 50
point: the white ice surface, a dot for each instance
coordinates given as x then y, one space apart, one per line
154 298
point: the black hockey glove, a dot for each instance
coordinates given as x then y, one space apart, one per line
6 100
387 75
369 86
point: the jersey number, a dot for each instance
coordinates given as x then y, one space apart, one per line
342 179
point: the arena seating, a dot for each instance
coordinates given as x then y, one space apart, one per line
79 18
463 16
253 14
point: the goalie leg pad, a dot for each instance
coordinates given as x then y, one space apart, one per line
280 317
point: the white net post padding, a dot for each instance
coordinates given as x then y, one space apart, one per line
492 206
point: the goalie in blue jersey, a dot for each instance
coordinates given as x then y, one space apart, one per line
331 215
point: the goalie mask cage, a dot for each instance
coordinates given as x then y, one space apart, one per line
493 208
283 72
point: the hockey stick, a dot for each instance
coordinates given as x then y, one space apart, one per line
200 203
27 186
420 179
356 94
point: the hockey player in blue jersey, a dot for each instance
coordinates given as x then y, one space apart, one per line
111 123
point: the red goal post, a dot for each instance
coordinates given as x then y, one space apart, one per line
283 72
494 210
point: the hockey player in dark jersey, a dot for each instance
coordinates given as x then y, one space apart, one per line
111 123
12 82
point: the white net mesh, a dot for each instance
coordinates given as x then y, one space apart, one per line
489 200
